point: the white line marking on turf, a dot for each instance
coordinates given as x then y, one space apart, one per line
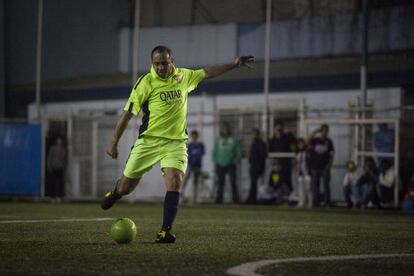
54 220
249 269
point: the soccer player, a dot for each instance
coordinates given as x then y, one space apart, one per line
161 94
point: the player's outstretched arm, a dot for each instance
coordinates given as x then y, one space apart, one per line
216 70
112 149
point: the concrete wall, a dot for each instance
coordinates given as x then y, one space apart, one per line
84 38
389 30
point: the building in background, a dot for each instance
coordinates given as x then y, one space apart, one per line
315 57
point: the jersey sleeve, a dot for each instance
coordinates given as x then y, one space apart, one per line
138 96
194 78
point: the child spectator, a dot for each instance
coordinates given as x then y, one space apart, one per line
274 190
350 180
386 181
304 179
408 202
195 152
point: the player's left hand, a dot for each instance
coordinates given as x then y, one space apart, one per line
244 61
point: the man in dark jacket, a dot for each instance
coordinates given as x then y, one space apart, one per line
322 156
257 161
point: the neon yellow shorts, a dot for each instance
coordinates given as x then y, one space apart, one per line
149 150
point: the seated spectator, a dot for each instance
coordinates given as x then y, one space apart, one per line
350 180
283 141
276 188
386 181
366 185
304 179
408 202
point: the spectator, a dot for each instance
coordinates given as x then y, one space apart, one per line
386 181
276 189
257 161
283 141
384 140
195 152
304 179
350 179
322 155
56 165
408 202
226 156
366 185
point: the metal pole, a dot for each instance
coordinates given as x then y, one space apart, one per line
397 163
267 64
3 58
135 40
39 57
364 61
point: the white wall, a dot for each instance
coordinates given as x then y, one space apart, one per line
152 184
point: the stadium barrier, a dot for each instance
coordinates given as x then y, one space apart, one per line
20 159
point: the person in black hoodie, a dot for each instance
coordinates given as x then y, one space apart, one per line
257 161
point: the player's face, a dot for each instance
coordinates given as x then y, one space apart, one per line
163 64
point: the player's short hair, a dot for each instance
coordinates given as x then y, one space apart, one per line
194 132
161 49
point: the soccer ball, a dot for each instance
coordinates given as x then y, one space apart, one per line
123 230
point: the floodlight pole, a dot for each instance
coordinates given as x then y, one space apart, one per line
135 40
39 57
266 66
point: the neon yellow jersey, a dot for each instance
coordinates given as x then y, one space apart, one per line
163 102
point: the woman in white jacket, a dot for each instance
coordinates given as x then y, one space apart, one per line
386 181
304 179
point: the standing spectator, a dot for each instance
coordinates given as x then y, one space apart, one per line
195 152
350 179
304 179
257 161
386 181
384 140
226 156
322 155
283 141
56 165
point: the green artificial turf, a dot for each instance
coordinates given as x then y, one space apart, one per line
210 239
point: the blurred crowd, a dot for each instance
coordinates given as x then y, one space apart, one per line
307 159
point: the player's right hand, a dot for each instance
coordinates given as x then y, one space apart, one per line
112 151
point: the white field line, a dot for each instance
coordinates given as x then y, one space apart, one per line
249 269
54 220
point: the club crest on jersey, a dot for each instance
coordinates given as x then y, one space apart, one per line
178 78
